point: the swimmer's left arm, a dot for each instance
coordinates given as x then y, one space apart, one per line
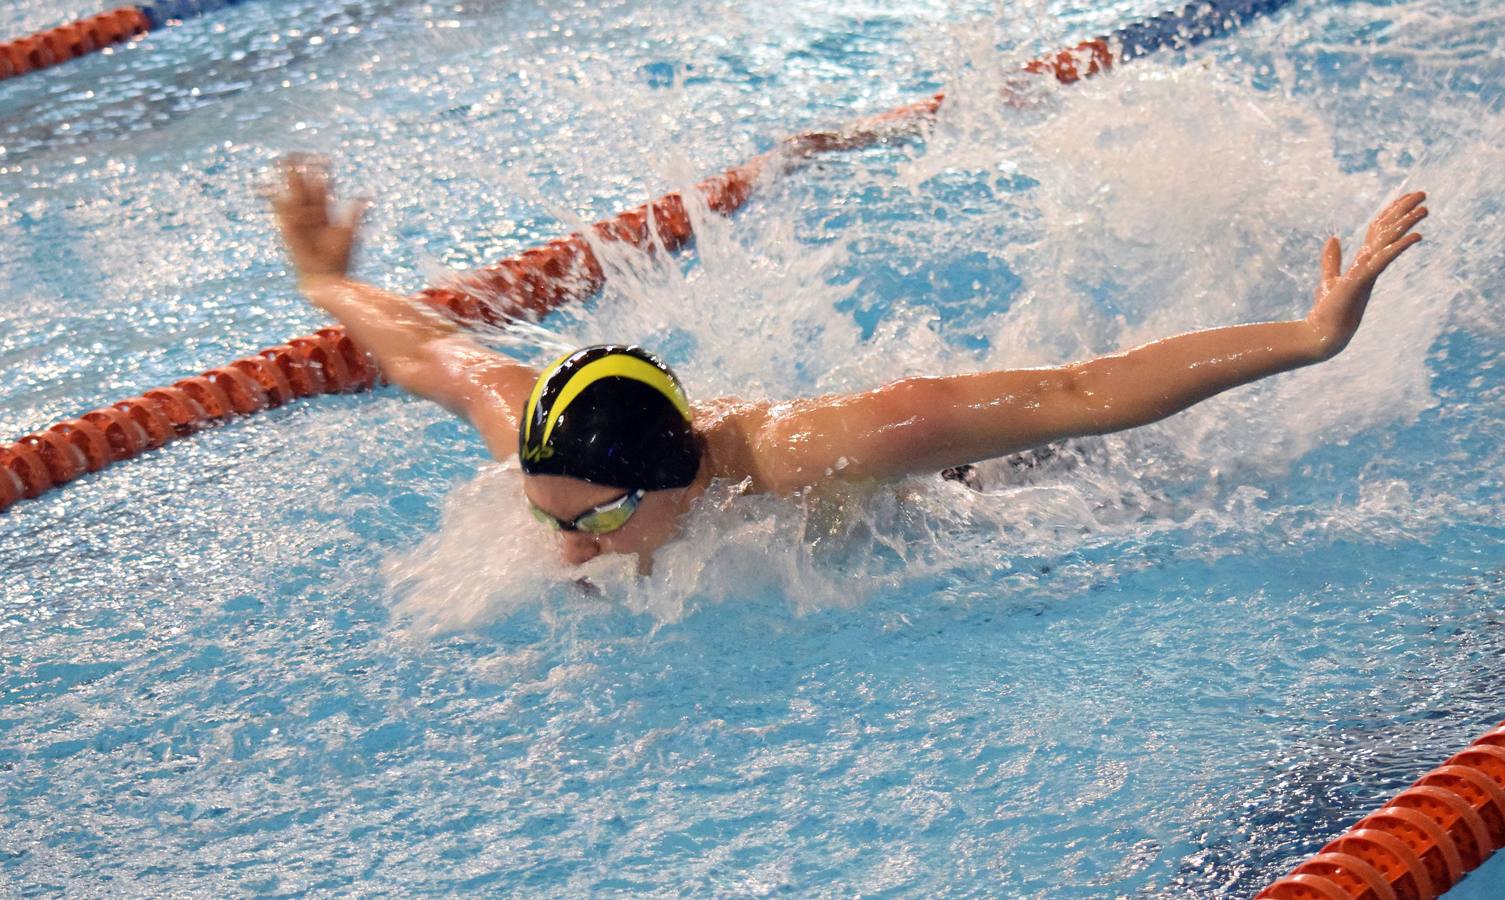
929 424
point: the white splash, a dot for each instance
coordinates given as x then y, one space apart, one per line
1165 198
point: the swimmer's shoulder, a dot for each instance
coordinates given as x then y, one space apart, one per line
729 427
500 389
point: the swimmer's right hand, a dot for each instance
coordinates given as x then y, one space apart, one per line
1342 296
320 238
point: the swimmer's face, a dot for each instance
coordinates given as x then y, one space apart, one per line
652 525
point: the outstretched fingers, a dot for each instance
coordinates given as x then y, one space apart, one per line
319 233
1397 218
1384 257
1395 229
294 185
1341 299
303 199
1332 261
1403 204
1389 235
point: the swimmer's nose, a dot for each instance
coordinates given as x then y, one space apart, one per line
579 547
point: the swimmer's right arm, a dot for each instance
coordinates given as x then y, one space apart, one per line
417 349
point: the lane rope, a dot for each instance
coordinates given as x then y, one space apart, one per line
58 45
55 46
1421 843
528 285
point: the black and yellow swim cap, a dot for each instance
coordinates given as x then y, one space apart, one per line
613 415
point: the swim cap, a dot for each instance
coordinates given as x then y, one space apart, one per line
613 415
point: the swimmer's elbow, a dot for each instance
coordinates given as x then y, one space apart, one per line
1097 401
1078 394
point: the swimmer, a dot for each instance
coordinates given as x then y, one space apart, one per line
614 455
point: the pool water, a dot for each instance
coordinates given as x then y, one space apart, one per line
326 650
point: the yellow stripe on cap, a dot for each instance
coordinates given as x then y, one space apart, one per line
538 386
617 365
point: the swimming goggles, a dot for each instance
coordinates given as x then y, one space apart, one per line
603 519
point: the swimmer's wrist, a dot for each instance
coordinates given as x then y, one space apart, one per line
326 290
1320 344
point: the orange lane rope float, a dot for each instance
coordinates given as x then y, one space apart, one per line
324 362
529 284
58 45
1421 843
70 41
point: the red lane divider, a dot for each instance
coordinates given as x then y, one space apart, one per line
324 362
530 284
1084 60
70 41
1421 843
566 269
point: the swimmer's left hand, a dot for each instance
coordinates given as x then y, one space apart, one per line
320 238
1343 296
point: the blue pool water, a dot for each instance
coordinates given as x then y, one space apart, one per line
323 650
